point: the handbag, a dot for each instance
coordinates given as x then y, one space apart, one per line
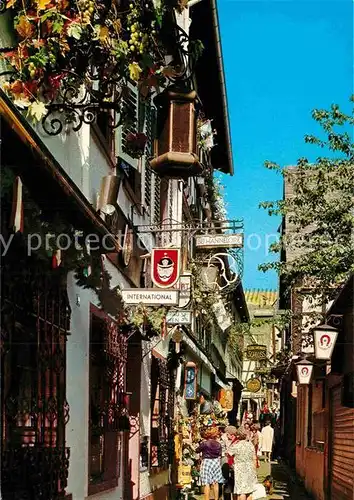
259 492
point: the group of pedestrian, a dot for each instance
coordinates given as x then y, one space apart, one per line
232 459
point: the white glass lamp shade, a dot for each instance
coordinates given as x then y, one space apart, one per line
304 371
324 337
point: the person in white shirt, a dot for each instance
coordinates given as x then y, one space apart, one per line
267 441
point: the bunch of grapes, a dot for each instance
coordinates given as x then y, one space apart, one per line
87 8
140 27
139 41
32 70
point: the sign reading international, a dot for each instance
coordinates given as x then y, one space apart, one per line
256 352
165 264
150 297
219 240
179 317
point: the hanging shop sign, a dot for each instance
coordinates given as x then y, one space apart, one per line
253 385
185 289
222 316
217 275
190 380
174 317
150 297
226 399
127 249
256 352
165 266
219 240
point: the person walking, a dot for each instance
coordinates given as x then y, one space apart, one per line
256 440
245 462
210 471
267 441
228 440
247 429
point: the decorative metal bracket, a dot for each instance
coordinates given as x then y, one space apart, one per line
90 82
192 227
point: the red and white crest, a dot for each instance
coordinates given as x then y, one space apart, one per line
165 263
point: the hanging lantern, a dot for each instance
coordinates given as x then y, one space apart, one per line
304 372
176 146
325 337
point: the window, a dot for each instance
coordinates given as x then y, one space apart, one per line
106 387
309 415
35 321
162 410
316 415
318 426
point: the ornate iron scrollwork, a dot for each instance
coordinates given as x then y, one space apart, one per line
89 80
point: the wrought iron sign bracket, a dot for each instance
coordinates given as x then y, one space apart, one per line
191 228
86 84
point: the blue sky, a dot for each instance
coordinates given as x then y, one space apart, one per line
282 59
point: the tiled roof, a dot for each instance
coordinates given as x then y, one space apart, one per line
261 298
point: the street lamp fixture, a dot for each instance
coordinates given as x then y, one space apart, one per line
304 369
325 337
110 184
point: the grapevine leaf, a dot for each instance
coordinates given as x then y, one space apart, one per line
24 27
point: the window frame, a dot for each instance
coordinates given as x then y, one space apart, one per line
113 440
160 399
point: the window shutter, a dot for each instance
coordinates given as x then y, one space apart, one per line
156 212
149 130
130 108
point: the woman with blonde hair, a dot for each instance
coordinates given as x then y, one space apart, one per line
245 463
210 471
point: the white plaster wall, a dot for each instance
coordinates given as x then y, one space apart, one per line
77 376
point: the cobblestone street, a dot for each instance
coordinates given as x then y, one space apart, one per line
285 484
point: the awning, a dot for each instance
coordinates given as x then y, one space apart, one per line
195 349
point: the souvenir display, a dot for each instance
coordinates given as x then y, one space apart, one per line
188 434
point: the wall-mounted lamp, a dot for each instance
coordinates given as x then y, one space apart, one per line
109 193
304 369
324 337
